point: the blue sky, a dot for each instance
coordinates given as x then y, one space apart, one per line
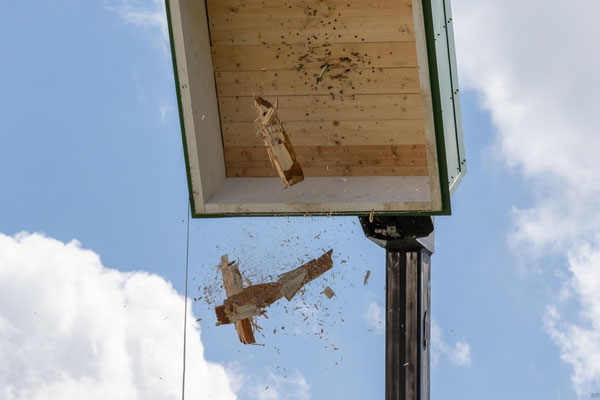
91 151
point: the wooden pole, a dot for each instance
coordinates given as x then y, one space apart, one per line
408 277
407 324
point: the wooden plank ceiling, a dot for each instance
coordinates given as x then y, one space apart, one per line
362 117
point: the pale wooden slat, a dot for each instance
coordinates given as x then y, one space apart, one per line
333 171
344 133
322 107
341 78
275 57
333 156
325 8
353 30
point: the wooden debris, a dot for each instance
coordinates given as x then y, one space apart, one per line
232 281
371 216
279 148
328 292
367 275
253 300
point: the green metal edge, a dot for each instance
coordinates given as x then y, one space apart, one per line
180 109
439 132
437 107
462 159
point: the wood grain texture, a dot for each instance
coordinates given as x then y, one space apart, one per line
408 160
356 30
330 133
258 22
344 75
232 282
294 56
328 108
323 7
327 80
346 170
334 155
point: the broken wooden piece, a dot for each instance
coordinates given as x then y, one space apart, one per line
367 275
253 300
279 148
328 292
232 281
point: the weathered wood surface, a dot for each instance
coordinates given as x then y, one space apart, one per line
232 281
345 74
325 108
292 56
279 147
253 300
332 133
337 77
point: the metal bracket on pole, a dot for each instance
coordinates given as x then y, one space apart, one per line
408 242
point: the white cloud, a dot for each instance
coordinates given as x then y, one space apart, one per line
71 328
164 111
459 354
374 317
269 385
535 67
148 16
151 17
537 76
580 343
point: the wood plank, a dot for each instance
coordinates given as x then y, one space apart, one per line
232 282
340 78
253 300
277 143
323 7
412 344
323 107
352 30
292 56
340 133
309 171
367 156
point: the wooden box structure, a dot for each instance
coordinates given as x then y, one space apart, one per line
366 89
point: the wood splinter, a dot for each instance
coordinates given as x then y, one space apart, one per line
232 281
253 300
279 148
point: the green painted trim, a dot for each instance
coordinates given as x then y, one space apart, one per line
437 107
326 214
180 107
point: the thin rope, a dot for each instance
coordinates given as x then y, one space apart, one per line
187 253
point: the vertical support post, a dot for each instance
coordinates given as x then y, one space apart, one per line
408 242
407 323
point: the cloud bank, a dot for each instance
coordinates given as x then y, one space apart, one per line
71 328
459 354
535 69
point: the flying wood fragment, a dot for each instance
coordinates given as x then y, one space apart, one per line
279 148
253 300
367 275
328 292
232 281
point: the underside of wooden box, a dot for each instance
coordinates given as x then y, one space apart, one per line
352 87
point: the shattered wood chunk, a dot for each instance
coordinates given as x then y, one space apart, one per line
329 293
253 300
279 148
232 281
294 280
367 275
250 302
